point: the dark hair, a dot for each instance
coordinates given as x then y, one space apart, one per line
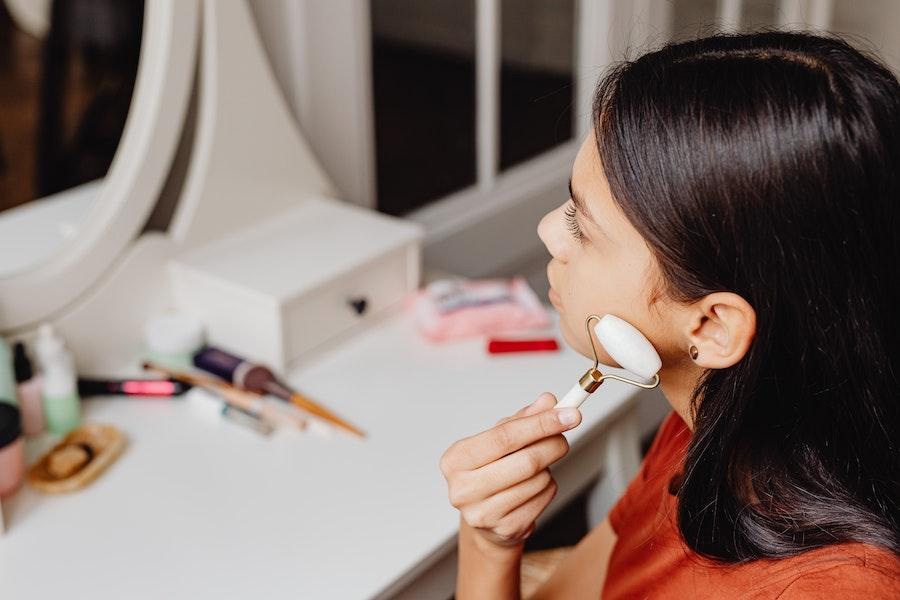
768 164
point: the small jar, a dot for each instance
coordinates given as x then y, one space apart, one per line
12 449
172 339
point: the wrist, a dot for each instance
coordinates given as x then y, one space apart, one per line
487 548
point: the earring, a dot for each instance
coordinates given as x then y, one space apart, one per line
693 352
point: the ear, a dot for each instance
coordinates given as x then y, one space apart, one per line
722 326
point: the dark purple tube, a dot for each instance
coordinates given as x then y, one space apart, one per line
240 372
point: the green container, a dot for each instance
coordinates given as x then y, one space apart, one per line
62 406
62 413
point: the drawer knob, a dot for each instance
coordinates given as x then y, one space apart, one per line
359 305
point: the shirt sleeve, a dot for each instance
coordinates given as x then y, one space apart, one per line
659 454
847 582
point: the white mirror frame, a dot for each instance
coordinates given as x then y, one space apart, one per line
135 177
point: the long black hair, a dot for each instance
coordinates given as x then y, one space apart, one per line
768 164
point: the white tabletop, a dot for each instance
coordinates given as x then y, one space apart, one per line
200 509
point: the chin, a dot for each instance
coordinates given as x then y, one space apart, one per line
576 338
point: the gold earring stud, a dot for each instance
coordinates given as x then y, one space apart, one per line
693 352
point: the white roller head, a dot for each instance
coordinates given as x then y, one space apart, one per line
628 346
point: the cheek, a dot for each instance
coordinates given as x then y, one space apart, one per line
604 287
585 294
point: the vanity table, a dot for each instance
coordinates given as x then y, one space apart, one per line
200 509
194 509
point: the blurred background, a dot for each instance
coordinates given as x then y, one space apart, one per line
400 99
479 178
67 71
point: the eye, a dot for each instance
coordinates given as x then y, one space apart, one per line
572 223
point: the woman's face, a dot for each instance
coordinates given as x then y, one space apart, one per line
601 265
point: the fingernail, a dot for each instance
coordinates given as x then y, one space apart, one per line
567 416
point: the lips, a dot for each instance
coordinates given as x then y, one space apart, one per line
555 300
552 295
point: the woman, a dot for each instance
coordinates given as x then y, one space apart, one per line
737 201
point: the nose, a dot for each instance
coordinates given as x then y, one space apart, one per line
553 234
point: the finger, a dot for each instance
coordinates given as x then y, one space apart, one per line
513 524
495 507
543 402
471 487
519 466
495 443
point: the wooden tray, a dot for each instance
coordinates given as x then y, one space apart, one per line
105 443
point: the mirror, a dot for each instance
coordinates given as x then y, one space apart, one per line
68 69
107 224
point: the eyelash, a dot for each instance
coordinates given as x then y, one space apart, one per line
572 224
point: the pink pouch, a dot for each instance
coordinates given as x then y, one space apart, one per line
452 309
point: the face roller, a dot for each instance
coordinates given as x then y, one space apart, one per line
627 346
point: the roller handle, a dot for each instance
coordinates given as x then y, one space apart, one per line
574 398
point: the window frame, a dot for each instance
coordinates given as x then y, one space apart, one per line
321 52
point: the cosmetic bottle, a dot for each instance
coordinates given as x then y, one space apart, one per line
62 406
7 380
12 449
31 403
49 346
247 419
210 407
171 339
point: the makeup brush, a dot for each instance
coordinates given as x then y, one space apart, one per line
628 347
279 390
258 378
242 399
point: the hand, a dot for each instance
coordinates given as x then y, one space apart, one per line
499 479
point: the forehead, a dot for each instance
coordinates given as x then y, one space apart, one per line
590 183
587 163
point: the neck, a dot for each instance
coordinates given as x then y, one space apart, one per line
677 385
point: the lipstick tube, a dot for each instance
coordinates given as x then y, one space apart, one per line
498 346
163 388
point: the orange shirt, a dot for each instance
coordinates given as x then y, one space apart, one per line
651 560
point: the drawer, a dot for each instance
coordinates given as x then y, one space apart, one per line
284 287
321 315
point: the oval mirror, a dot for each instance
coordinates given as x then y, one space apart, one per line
92 100
67 74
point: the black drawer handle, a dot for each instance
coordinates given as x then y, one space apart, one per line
359 305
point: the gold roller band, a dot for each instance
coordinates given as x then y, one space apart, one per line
591 380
